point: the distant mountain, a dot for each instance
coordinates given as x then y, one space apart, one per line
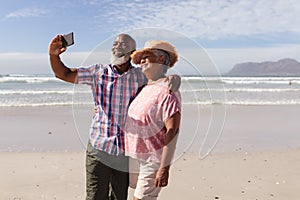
283 67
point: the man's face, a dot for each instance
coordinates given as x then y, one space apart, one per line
121 50
121 46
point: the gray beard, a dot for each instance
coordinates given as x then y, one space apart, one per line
114 60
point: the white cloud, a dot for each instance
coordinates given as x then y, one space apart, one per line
207 19
27 12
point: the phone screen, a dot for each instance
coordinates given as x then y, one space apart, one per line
68 39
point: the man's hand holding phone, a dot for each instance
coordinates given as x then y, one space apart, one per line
60 43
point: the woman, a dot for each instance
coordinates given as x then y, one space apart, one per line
153 120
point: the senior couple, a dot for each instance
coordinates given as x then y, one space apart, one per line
136 117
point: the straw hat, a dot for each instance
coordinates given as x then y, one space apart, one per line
156 44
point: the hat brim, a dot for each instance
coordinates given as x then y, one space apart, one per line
138 54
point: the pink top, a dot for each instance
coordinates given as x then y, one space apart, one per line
145 129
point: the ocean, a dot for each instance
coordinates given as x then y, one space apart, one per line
46 90
202 124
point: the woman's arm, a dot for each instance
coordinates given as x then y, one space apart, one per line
172 126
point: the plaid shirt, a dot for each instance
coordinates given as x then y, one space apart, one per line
112 93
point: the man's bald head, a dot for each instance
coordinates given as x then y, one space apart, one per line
130 42
123 46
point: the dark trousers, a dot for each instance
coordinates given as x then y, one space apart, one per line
104 171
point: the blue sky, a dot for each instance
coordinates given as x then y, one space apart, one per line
230 31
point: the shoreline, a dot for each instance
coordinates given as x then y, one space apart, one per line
232 128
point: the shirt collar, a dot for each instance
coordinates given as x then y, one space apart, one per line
113 68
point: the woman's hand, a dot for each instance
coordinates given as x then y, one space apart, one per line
162 177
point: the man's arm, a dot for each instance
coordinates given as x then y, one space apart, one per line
60 70
172 126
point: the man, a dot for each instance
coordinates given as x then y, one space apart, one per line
113 86
153 121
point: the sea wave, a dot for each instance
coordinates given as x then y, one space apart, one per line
241 90
261 80
38 92
244 103
204 103
243 80
214 79
69 103
195 90
28 79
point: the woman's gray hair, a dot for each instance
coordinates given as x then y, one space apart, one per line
158 53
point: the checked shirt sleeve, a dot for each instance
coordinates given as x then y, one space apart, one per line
86 75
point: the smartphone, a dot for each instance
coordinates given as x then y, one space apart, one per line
68 39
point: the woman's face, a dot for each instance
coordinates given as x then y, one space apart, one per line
150 63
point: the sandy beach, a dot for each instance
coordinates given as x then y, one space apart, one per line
256 156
